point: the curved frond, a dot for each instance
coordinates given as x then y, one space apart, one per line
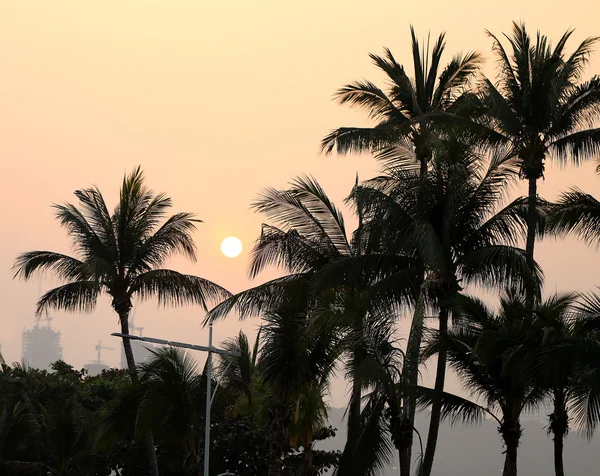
174 236
358 140
38 262
78 296
367 96
578 213
577 146
500 266
173 288
257 300
454 408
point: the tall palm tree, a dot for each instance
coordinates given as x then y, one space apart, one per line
403 128
458 230
489 353
406 115
296 365
373 365
310 240
121 255
561 368
542 109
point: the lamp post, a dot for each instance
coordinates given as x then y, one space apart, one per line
209 398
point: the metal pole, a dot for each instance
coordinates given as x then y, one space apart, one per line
208 402
209 398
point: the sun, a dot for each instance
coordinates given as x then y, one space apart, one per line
231 247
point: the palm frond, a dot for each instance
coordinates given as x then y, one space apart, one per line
358 140
306 209
578 213
78 296
259 299
367 96
174 236
577 146
37 262
456 409
173 288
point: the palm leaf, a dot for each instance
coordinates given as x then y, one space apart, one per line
173 288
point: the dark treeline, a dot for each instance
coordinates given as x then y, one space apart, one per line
432 225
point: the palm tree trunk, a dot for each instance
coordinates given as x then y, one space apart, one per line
306 469
559 469
559 426
531 231
511 433
411 372
354 425
275 466
436 405
147 439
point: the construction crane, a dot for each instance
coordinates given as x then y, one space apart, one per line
99 348
46 318
132 325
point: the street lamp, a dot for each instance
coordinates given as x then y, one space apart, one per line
209 398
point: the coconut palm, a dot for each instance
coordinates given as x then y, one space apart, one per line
459 231
542 109
561 368
373 365
309 240
296 365
239 374
121 255
489 352
403 128
407 116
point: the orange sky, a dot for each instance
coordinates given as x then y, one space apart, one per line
216 100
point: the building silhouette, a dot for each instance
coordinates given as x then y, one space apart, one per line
96 368
41 345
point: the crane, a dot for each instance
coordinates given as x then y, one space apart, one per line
46 318
99 348
132 325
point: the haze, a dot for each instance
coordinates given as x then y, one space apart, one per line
216 100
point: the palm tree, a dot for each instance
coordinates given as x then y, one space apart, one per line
294 363
373 365
403 128
542 110
172 403
121 255
239 374
453 222
560 366
407 118
282 383
311 244
489 352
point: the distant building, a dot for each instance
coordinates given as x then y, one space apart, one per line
95 368
41 346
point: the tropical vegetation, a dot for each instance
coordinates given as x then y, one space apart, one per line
435 227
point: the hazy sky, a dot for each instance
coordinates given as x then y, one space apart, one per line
215 100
